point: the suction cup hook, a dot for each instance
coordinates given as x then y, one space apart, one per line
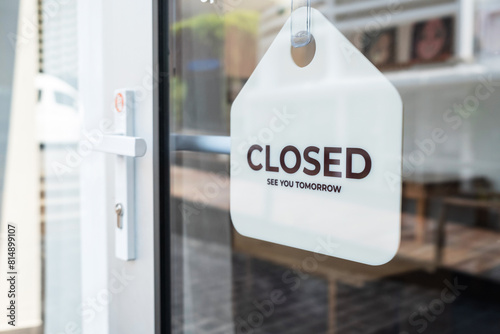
300 26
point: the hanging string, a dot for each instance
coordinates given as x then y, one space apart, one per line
300 26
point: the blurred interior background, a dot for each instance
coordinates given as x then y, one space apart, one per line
444 58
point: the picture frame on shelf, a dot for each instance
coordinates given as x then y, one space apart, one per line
380 47
433 40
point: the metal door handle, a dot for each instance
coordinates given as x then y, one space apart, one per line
122 145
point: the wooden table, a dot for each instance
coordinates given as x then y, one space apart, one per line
472 250
421 187
493 202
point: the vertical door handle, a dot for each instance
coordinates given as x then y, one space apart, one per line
125 147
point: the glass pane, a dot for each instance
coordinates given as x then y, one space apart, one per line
39 176
444 59
59 120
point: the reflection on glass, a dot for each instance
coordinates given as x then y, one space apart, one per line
59 121
446 275
39 127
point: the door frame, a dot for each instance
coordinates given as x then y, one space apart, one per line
161 134
166 143
117 49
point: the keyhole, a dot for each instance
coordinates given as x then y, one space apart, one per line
119 214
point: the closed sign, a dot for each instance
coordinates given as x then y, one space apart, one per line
311 150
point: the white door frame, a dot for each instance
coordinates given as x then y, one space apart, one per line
117 50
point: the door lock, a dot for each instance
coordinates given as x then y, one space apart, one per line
119 214
126 147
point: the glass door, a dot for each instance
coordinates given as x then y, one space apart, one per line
443 58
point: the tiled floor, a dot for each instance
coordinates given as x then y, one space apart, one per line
219 292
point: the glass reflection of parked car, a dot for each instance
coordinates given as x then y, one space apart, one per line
58 124
57 114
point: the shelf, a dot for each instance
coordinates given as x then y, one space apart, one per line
450 75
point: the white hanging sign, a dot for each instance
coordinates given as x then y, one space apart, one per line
312 149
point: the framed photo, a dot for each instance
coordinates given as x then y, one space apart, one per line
433 40
380 47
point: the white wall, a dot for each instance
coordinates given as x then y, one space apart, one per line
472 138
